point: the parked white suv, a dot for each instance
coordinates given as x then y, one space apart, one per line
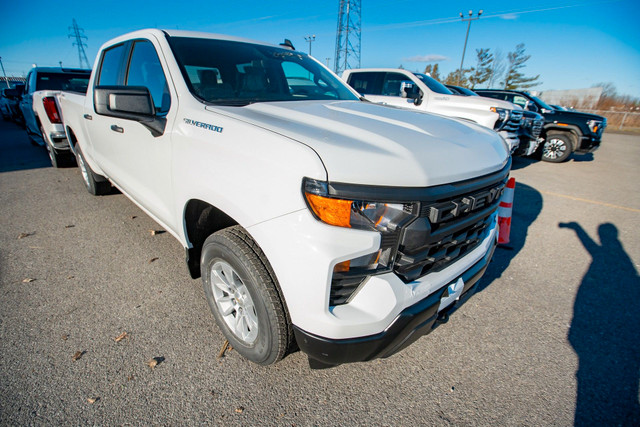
311 215
403 88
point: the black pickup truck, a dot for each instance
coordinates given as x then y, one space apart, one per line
564 132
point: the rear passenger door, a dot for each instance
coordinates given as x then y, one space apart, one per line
138 162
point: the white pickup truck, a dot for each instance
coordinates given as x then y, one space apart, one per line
312 216
403 88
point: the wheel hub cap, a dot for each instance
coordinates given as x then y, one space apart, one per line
234 303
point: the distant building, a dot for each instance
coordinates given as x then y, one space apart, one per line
575 98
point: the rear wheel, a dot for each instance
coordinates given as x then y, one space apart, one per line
243 295
58 159
557 147
97 187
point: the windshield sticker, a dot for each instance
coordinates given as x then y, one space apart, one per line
203 125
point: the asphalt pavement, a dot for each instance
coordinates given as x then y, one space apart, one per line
92 294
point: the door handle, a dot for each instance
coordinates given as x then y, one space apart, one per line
88 117
117 128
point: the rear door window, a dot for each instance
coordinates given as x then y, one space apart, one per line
110 66
367 83
145 70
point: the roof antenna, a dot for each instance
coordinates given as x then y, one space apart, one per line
287 43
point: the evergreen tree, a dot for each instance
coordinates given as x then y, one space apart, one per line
514 78
483 70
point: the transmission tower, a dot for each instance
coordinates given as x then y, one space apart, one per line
348 36
78 34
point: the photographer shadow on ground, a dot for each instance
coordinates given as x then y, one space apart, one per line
527 205
605 332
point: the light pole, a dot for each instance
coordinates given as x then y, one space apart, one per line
310 39
469 19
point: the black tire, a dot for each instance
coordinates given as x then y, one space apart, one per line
95 184
59 159
268 337
557 147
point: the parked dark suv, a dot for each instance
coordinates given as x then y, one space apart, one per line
564 132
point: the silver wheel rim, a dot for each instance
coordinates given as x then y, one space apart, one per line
46 144
234 303
83 169
49 150
554 148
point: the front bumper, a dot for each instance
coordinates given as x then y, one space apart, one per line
409 325
589 144
511 139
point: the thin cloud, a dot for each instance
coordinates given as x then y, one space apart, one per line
426 58
509 16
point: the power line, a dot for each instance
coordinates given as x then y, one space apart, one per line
78 34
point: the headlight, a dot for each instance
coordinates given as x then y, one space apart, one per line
503 113
594 125
385 218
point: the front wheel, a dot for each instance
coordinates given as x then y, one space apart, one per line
243 295
557 148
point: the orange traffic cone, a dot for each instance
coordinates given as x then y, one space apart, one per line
504 212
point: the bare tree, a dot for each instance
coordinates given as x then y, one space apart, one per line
497 69
433 71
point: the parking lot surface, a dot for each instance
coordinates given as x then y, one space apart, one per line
550 338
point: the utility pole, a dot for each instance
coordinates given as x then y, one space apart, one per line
469 19
327 59
310 39
348 36
6 80
78 34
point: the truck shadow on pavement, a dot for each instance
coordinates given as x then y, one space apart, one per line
605 332
18 153
527 205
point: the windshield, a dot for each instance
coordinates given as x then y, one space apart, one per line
237 73
541 103
72 82
433 84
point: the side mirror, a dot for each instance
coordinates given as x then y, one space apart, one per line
530 106
12 93
410 91
131 103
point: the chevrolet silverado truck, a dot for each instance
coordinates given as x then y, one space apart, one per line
564 132
313 217
528 132
49 79
403 88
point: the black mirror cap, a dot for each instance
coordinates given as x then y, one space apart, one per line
126 102
130 103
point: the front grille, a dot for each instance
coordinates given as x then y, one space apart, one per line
512 125
446 231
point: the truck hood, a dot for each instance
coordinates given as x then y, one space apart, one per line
365 143
559 115
477 102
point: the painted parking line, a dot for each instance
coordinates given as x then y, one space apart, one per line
595 202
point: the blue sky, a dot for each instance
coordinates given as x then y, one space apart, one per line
573 44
